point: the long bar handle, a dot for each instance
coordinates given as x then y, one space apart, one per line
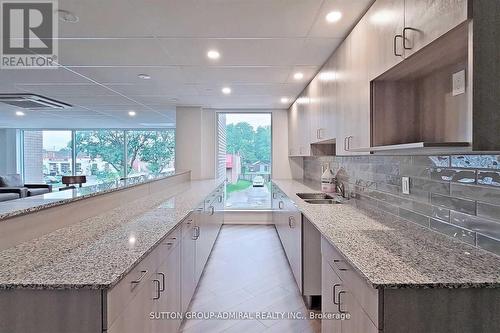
396 43
334 293
162 288
339 304
158 291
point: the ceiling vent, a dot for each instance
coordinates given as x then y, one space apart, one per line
32 101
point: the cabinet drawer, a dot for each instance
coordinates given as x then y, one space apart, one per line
364 294
125 290
170 242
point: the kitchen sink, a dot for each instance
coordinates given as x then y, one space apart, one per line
323 201
314 196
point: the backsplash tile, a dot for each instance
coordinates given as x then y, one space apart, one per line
460 205
476 161
457 195
454 231
479 224
491 178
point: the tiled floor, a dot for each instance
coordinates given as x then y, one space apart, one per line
248 272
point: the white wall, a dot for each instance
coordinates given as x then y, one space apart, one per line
9 151
195 142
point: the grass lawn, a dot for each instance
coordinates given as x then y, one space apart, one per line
240 185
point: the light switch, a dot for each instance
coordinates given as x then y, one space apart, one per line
458 83
405 181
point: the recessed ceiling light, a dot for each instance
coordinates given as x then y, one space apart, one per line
213 54
298 76
67 16
333 16
144 76
132 113
226 90
284 100
20 113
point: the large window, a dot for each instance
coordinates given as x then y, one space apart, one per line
150 152
247 139
47 156
102 155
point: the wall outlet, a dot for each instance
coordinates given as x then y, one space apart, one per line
405 181
458 80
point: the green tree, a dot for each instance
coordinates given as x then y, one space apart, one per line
156 148
263 143
241 139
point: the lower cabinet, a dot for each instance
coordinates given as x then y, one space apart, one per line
151 297
188 267
288 221
353 303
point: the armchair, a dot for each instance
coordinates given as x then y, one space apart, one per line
14 184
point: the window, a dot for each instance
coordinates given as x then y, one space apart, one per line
47 156
102 155
247 141
150 152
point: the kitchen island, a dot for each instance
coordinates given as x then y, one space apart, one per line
99 273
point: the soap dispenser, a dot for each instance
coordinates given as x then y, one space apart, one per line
328 180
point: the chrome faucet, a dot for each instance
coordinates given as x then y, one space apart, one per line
340 188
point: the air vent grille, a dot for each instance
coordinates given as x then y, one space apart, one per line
32 101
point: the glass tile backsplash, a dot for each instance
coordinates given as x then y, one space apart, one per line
457 195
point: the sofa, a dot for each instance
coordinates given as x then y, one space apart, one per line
12 187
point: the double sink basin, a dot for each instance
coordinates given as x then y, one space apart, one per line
319 198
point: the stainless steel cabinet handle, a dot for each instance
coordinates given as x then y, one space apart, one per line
339 304
405 39
220 198
281 204
212 210
348 142
196 232
395 45
334 287
162 288
143 274
291 222
274 195
157 284
345 143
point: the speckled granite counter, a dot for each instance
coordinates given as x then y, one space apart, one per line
12 208
97 252
391 253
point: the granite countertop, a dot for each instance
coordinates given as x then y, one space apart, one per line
389 252
97 252
12 208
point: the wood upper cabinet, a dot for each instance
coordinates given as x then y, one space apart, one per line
426 20
326 99
384 23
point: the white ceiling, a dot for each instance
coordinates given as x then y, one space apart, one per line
262 44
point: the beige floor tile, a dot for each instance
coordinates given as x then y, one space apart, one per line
248 272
